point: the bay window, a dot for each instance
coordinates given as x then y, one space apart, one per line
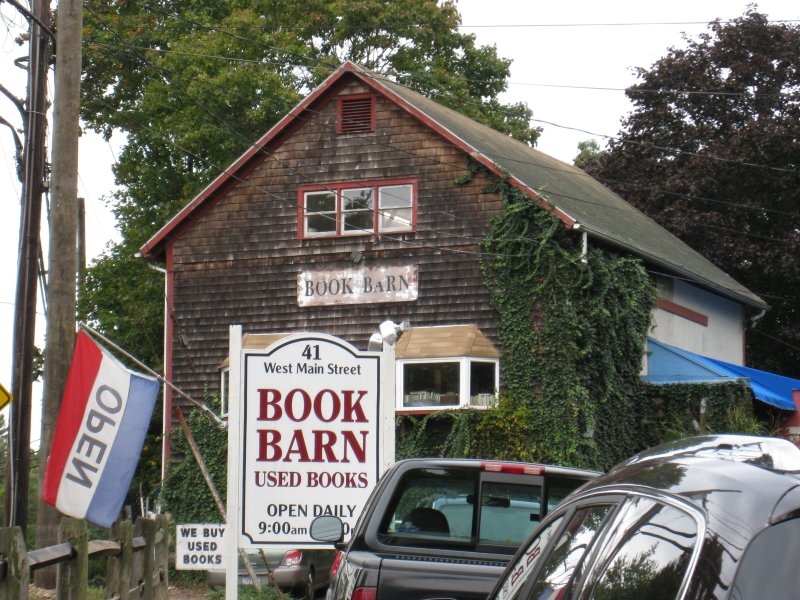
447 383
445 366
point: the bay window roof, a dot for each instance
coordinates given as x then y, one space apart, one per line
444 341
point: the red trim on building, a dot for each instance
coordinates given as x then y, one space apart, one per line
682 311
168 326
349 185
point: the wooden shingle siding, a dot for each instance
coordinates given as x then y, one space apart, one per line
238 264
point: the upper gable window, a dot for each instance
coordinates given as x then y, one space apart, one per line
358 209
356 113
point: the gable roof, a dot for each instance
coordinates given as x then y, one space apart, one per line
578 200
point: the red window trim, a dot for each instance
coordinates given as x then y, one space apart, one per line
350 185
371 97
682 311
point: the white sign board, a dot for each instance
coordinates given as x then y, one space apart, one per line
309 425
199 546
358 286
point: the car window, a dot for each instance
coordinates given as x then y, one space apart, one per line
519 571
563 560
648 553
431 506
559 488
509 512
769 567
487 510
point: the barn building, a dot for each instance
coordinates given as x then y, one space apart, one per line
354 210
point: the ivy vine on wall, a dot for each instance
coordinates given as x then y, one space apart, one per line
573 326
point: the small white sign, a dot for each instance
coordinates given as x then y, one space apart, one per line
357 286
309 424
199 546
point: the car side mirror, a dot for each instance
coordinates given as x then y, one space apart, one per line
327 528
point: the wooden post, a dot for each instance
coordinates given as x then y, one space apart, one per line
63 254
13 550
118 583
137 564
161 558
73 575
149 529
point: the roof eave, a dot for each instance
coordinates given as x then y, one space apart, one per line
747 299
155 247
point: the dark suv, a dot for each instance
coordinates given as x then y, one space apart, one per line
705 517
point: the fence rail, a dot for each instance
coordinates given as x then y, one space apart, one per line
137 560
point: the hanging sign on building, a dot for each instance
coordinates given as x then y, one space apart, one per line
309 427
357 286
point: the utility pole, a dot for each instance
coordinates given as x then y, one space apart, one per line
63 259
16 509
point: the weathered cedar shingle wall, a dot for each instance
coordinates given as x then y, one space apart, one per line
238 264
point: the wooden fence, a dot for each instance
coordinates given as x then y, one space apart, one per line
137 560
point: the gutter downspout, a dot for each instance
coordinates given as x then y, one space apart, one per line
584 244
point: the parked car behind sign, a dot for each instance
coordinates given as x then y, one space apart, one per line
300 572
706 517
436 528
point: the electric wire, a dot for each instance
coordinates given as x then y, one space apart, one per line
289 201
572 173
441 95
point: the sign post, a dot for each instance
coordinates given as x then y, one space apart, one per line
234 451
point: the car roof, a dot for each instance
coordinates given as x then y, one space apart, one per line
736 480
508 466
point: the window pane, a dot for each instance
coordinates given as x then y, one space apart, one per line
482 383
359 220
517 575
320 202
649 553
322 222
565 558
395 196
431 384
509 512
769 568
431 507
395 219
357 199
559 488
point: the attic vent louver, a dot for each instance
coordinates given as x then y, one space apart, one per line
356 114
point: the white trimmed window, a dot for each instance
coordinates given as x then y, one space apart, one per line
450 366
358 209
457 382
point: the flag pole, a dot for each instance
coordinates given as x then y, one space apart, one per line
201 405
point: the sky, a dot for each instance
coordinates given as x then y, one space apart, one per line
571 62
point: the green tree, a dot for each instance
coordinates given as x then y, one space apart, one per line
711 152
588 150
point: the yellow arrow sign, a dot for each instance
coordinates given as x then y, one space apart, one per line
5 397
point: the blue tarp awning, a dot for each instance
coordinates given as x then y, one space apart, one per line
670 364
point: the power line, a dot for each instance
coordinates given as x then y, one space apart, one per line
228 128
612 24
297 171
622 140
